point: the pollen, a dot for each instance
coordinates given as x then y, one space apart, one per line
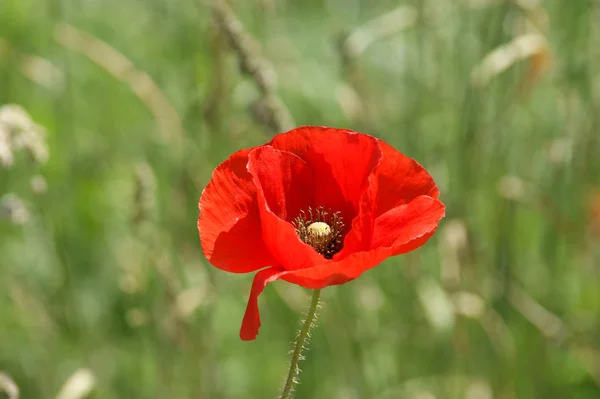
321 229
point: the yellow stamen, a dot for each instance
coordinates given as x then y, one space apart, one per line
323 230
320 229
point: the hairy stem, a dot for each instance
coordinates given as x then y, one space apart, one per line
300 341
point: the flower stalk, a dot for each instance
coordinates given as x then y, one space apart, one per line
301 339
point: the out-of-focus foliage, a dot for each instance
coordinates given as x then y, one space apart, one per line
104 292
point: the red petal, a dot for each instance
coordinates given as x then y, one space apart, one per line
398 231
402 227
401 179
340 272
229 222
251 321
360 235
284 184
285 179
342 161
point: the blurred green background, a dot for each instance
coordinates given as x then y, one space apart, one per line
105 293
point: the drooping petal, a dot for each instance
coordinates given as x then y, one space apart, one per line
284 186
229 222
402 228
400 179
342 161
251 321
340 272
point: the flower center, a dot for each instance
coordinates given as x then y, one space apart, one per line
321 229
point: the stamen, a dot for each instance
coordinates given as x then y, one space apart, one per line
321 229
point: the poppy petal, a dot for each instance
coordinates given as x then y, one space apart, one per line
251 321
339 272
229 221
286 181
283 183
342 159
400 179
398 231
401 227
361 234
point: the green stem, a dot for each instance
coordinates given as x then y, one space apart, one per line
301 339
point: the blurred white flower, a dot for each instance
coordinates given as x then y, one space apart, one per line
13 209
512 188
6 153
8 386
38 184
18 131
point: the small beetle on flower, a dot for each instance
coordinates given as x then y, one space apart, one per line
315 206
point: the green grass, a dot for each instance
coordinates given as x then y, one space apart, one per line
108 273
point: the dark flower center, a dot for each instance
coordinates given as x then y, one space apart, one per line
321 229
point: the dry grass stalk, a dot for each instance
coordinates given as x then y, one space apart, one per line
144 204
43 72
354 97
385 25
556 330
269 110
79 385
121 68
521 48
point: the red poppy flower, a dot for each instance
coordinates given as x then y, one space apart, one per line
316 206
